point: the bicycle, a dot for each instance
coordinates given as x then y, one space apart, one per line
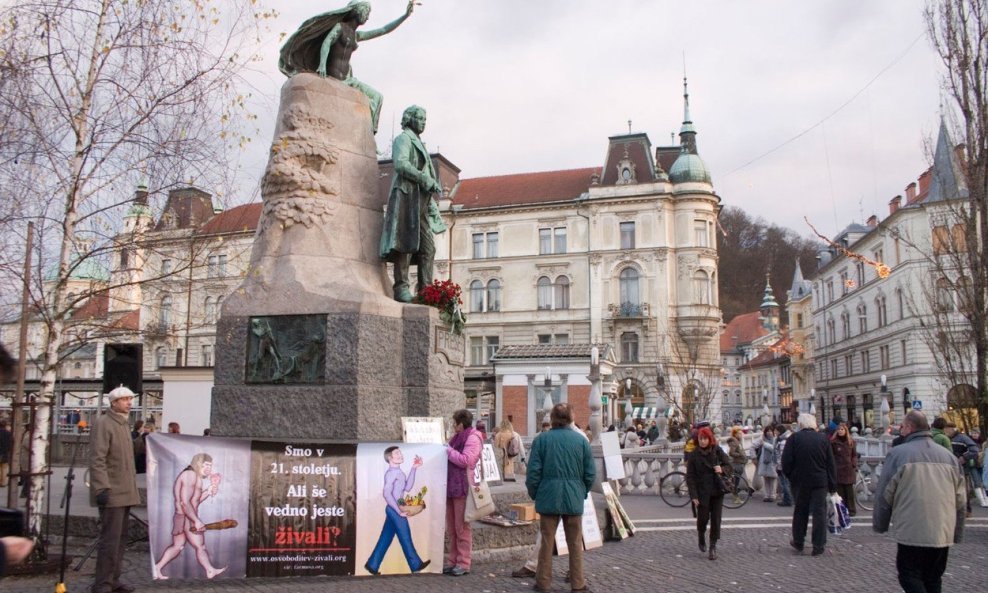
864 490
675 493
741 495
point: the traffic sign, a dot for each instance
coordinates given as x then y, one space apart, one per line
917 405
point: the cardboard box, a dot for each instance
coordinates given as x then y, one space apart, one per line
525 511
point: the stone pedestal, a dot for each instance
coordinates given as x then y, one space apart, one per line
316 254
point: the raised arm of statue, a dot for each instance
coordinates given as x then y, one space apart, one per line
363 35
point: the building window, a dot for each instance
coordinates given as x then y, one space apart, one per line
882 311
160 357
545 241
902 348
879 256
831 331
552 240
561 293
701 288
627 235
862 319
482 349
799 320
958 238
629 347
830 291
845 325
124 258
492 245
866 361
216 266
545 293
843 282
476 296
494 295
628 283
833 368
700 234
902 308
883 356
165 311
485 245
558 339
209 310
207 355
861 274
945 300
478 246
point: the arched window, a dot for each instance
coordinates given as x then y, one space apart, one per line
476 296
628 281
165 311
845 325
209 308
862 318
701 288
160 356
629 347
902 308
562 293
494 295
965 295
545 293
883 317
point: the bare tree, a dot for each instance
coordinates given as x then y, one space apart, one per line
958 30
99 95
694 378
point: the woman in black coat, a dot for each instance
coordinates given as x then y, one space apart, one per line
702 469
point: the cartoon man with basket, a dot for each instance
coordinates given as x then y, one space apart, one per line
400 506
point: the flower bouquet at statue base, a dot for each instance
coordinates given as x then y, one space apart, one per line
445 296
413 505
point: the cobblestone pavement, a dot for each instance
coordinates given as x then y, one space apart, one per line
754 555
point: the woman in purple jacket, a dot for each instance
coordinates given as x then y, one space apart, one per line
463 453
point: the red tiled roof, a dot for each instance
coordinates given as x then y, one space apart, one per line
523 188
95 307
743 329
238 218
131 320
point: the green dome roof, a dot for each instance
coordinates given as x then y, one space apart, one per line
689 168
87 270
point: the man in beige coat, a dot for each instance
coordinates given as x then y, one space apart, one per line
113 488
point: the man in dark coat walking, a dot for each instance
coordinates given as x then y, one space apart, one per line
808 463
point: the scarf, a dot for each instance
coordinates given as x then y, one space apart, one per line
456 476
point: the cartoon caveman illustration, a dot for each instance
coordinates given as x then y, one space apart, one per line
187 525
396 485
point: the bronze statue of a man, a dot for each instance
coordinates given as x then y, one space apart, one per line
412 216
324 44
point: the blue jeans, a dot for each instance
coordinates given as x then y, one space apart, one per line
394 525
785 488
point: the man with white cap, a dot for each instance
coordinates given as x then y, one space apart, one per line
113 488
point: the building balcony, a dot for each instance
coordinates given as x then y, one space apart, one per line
629 310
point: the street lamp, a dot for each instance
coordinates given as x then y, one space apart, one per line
627 402
885 405
594 402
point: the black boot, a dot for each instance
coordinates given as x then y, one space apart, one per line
703 541
713 550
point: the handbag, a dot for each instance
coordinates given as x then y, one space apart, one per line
480 503
726 482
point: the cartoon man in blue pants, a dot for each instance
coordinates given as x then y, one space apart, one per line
396 484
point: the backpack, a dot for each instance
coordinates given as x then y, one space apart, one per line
514 446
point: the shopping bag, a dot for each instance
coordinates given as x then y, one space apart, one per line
480 503
838 517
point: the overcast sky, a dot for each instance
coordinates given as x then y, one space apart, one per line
514 86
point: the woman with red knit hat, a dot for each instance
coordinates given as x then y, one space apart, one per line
702 469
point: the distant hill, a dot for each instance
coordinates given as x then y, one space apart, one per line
750 249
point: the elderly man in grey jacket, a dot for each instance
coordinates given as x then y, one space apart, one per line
113 487
922 494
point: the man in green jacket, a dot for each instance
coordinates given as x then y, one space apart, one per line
560 474
939 436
